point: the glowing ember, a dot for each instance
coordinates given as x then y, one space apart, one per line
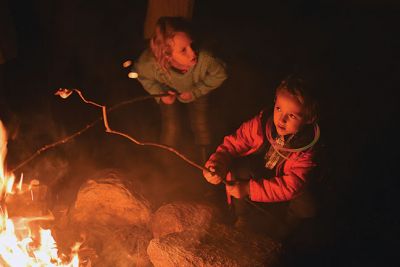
19 245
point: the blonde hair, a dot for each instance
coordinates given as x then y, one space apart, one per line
166 29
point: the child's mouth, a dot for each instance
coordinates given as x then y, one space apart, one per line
282 128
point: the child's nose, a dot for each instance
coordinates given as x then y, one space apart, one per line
283 118
190 52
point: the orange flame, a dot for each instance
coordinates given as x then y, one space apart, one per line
17 244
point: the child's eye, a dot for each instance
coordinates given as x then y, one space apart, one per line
278 108
293 117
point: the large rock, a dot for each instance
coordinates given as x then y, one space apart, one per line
112 218
180 216
221 246
122 247
110 200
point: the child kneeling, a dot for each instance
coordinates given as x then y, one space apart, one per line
271 159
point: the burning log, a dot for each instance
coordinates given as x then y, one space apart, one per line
23 241
29 202
179 216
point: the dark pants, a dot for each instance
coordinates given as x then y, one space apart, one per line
172 122
282 217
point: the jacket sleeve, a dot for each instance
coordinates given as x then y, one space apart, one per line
146 69
295 175
214 77
246 140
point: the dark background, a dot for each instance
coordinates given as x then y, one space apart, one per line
350 47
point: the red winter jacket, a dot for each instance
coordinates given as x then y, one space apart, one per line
292 175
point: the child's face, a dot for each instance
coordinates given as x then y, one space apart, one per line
288 113
182 55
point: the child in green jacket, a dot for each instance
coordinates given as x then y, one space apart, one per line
171 65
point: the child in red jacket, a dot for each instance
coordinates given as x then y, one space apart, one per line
271 157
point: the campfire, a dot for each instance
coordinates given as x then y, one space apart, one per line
22 241
119 225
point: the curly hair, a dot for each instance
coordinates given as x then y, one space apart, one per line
296 85
166 29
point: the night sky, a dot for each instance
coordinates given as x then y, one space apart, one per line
349 47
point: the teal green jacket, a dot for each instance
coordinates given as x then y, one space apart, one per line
207 75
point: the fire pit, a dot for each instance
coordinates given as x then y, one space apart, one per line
116 225
23 242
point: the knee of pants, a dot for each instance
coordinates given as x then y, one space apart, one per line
170 132
201 130
199 120
242 168
169 139
170 119
171 128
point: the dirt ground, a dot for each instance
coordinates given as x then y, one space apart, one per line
349 47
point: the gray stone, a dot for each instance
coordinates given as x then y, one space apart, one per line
219 246
180 216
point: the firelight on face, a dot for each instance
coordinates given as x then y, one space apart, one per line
288 114
182 54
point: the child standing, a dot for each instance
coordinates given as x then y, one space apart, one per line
271 159
171 65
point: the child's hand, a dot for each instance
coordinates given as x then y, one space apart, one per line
238 190
213 176
169 99
186 96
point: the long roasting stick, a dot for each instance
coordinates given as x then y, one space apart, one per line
65 93
87 127
109 130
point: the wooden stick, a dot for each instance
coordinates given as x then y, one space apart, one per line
64 93
87 127
109 130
